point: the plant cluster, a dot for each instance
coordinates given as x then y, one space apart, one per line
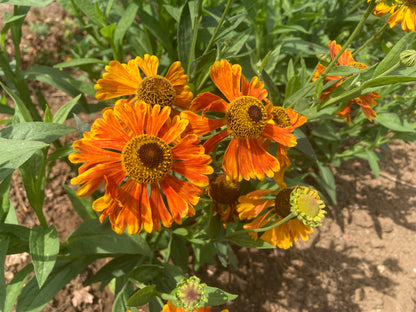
216 125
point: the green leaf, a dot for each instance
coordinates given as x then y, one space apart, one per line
119 266
303 144
343 71
243 239
30 3
33 299
15 153
124 23
373 159
179 252
79 61
15 286
4 198
274 93
91 11
93 237
292 86
62 114
387 80
393 57
19 237
20 105
154 27
142 296
81 205
60 80
61 152
145 273
394 122
44 248
218 296
45 132
108 31
4 246
184 34
327 181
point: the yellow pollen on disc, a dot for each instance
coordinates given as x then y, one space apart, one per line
156 90
147 159
246 117
308 204
280 117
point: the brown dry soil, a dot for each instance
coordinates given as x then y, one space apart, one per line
363 258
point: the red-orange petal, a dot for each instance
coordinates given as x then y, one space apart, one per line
227 78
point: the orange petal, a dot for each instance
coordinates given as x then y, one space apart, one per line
148 65
215 139
176 74
227 78
119 80
279 135
208 101
201 125
230 163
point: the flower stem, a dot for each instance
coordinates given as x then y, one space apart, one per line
267 228
373 37
217 29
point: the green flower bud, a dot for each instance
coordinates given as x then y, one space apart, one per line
408 57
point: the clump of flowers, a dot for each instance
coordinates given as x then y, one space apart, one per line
366 101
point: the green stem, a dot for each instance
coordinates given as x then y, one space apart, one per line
344 47
267 228
194 35
217 29
373 37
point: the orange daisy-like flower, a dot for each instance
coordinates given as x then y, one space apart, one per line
366 101
224 194
400 12
246 118
125 79
134 149
265 207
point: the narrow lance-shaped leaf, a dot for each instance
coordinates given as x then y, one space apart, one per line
4 245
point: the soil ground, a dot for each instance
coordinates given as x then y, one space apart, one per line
363 258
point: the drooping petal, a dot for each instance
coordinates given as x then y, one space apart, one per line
279 135
200 125
119 80
215 139
227 78
208 101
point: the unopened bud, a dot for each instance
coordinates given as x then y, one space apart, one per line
408 57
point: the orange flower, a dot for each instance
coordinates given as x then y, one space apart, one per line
366 101
278 205
246 118
400 12
125 79
169 307
134 149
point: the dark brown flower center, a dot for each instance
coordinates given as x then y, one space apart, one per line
147 159
246 117
156 90
223 191
282 202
